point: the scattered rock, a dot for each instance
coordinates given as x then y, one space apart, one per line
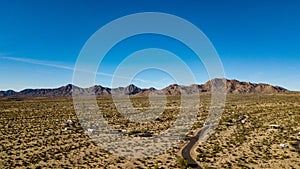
283 145
274 126
229 124
90 130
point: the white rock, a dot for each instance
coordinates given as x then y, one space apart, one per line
90 130
283 145
274 125
69 121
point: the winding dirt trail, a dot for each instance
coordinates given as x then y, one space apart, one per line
186 151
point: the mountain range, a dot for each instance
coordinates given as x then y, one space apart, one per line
232 86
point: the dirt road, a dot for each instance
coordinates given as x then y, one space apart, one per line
186 151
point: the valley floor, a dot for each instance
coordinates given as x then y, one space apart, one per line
33 135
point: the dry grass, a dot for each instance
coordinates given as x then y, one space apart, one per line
255 144
31 135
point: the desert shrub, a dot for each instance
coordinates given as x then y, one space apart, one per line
137 131
182 163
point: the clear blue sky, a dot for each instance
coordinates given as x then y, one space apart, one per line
257 40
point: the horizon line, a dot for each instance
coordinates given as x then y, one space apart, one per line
37 88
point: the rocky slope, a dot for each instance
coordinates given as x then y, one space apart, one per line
232 86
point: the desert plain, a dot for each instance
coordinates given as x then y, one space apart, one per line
255 131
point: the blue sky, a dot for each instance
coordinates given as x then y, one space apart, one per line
257 41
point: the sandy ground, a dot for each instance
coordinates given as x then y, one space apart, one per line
31 135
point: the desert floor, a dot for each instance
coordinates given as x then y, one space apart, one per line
33 135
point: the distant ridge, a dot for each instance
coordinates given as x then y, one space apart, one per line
232 86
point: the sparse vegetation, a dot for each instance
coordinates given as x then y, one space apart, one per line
182 163
32 135
255 144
